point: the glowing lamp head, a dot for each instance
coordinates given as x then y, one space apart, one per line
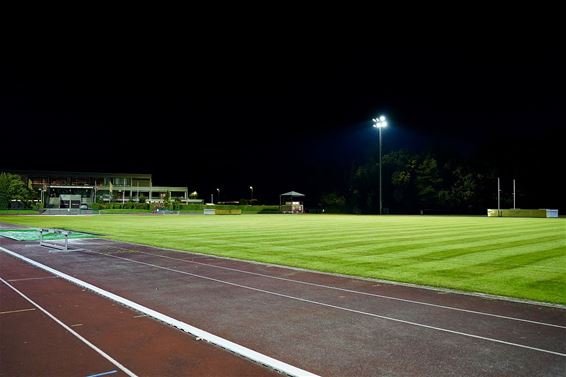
380 122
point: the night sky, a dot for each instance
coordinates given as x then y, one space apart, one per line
283 116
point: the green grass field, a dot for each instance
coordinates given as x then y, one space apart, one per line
517 257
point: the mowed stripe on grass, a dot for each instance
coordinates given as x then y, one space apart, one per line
517 257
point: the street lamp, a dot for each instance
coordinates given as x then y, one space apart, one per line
251 194
218 196
380 123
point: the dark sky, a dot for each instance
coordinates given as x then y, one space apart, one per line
281 116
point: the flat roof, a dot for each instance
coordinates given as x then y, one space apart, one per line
52 173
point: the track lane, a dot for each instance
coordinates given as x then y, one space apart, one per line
256 320
144 345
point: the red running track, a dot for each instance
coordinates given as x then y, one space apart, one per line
323 323
33 344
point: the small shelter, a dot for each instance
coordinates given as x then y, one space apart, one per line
293 202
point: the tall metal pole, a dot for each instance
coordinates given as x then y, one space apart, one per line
514 195
380 122
380 197
498 197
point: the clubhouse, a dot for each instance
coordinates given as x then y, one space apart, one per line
60 189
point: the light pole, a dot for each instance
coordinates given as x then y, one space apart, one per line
251 195
380 123
218 196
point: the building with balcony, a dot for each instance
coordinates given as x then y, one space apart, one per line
72 189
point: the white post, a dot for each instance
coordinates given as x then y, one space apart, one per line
514 194
498 197
212 198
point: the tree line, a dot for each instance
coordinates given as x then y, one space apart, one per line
414 183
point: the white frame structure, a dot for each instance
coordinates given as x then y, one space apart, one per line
53 245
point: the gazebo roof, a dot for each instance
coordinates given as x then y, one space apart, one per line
292 193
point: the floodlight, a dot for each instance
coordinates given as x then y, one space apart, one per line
379 123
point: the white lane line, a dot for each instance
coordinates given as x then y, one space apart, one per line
26 279
73 332
360 293
339 307
17 311
198 333
77 325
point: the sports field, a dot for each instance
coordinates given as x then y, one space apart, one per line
517 257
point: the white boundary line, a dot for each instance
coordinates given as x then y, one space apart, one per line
17 311
26 279
224 343
375 280
338 307
95 348
357 292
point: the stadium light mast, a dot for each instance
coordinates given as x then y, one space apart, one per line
218 196
251 195
380 123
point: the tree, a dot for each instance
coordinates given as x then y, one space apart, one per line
333 202
167 199
428 182
13 188
363 192
463 190
4 191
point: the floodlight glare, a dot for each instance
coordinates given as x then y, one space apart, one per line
380 122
